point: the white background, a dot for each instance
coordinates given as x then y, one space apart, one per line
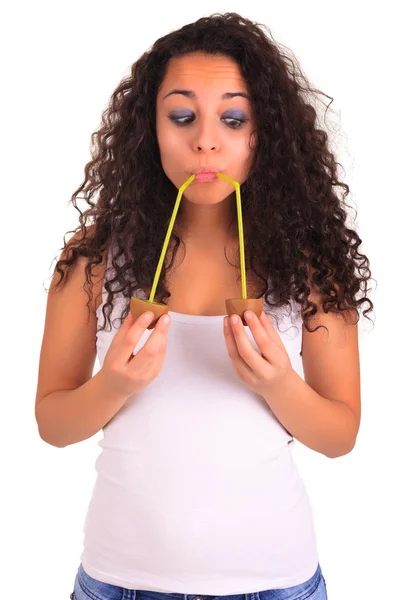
60 64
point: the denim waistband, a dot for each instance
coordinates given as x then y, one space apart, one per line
98 590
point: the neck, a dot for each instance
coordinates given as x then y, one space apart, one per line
207 225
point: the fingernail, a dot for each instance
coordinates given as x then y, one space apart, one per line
235 320
166 319
148 316
248 314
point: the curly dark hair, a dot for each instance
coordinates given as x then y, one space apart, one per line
295 232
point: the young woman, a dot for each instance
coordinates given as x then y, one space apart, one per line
197 493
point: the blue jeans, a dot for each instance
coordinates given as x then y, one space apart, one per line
86 588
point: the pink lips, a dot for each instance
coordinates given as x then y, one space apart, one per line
204 177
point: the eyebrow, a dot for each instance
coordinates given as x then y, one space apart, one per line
190 94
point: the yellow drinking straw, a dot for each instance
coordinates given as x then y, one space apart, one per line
234 305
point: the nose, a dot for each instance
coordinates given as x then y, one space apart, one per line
205 148
205 136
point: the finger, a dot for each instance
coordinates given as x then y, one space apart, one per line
125 326
122 330
134 332
249 354
239 364
126 323
270 329
261 335
156 343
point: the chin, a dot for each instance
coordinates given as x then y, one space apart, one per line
205 198
206 193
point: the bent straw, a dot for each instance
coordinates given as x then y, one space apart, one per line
240 226
171 225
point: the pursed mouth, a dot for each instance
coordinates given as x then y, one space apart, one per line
204 177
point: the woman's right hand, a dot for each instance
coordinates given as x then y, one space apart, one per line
125 373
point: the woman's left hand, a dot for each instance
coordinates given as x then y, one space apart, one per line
259 372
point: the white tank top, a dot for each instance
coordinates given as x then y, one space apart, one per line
197 491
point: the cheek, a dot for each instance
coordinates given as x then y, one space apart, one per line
170 152
168 139
242 156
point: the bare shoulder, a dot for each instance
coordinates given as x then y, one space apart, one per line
330 356
77 275
68 349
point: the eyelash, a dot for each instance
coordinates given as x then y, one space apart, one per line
176 121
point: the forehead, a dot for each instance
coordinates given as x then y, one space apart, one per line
199 70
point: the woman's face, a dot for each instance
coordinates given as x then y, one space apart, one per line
198 126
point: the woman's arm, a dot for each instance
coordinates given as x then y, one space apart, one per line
323 411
